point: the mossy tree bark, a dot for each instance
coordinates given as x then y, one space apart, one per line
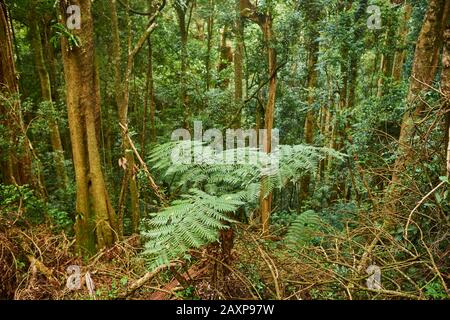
95 225
15 162
400 54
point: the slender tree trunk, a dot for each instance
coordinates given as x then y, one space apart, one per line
400 54
149 102
225 58
266 202
238 64
313 15
265 21
46 91
17 165
209 43
51 62
122 100
151 93
181 10
387 58
349 67
445 88
121 84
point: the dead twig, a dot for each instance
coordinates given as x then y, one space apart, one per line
153 185
418 205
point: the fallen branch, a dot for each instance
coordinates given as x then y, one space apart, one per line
42 268
147 277
194 272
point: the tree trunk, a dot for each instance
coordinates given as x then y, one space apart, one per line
95 215
349 67
151 93
313 13
445 88
265 21
387 58
181 10
50 60
266 202
400 54
16 161
149 101
209 27
226 58
238 65
121 85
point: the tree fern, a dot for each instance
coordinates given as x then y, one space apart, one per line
190 222
214 190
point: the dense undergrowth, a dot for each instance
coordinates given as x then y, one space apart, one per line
315 256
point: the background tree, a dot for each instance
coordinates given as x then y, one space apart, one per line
16 162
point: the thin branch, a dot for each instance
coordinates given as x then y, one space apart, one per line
427 85
265 82
135 11
141 41
150 27
253 95
419 204
153 185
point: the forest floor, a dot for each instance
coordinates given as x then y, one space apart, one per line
34 262
34 265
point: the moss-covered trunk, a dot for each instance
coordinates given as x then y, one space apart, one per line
95 221
16 160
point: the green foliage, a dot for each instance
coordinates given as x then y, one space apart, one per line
188 293
214 190
435 290
61 219
283 218
62 31
22 201
304 229
191 222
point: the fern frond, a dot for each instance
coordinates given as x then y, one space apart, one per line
190 222
304 228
